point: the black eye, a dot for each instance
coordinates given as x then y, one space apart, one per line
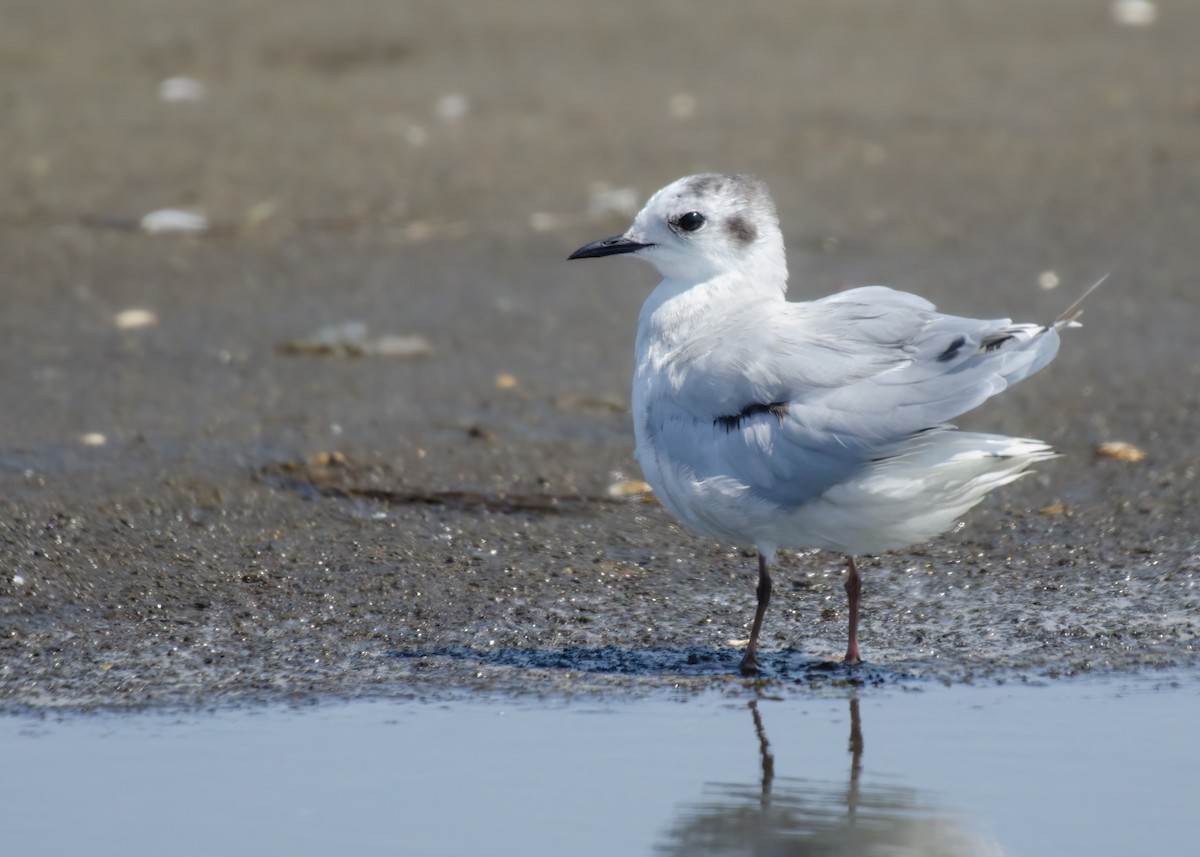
691 221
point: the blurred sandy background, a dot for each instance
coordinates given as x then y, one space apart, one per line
424 168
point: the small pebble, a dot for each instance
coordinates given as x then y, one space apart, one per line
93 438
345 337
128 319
1134 13
167 220
394 345
259 213
628 488
1048 280
1120 450
327 459
479 432
181 89
506 381
453 106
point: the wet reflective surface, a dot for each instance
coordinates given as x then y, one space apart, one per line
1075 767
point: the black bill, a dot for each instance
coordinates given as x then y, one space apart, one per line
607 247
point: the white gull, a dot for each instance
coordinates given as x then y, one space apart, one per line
820 424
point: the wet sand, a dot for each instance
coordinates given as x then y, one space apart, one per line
258 524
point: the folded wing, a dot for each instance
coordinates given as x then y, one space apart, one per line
828 387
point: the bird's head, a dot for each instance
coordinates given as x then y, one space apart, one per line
702 226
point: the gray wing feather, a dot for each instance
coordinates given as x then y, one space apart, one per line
852 377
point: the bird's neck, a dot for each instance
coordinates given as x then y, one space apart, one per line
678 309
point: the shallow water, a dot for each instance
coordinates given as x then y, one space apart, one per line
1076 767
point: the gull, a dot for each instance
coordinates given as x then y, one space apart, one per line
819 424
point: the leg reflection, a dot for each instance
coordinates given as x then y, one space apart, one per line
766 759
856 750
803 816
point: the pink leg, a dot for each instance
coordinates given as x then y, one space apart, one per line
853 589
750 659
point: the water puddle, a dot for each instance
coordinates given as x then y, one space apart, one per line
1074 767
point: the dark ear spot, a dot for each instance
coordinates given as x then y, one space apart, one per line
740 229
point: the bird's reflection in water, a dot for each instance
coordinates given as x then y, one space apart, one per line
789 816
